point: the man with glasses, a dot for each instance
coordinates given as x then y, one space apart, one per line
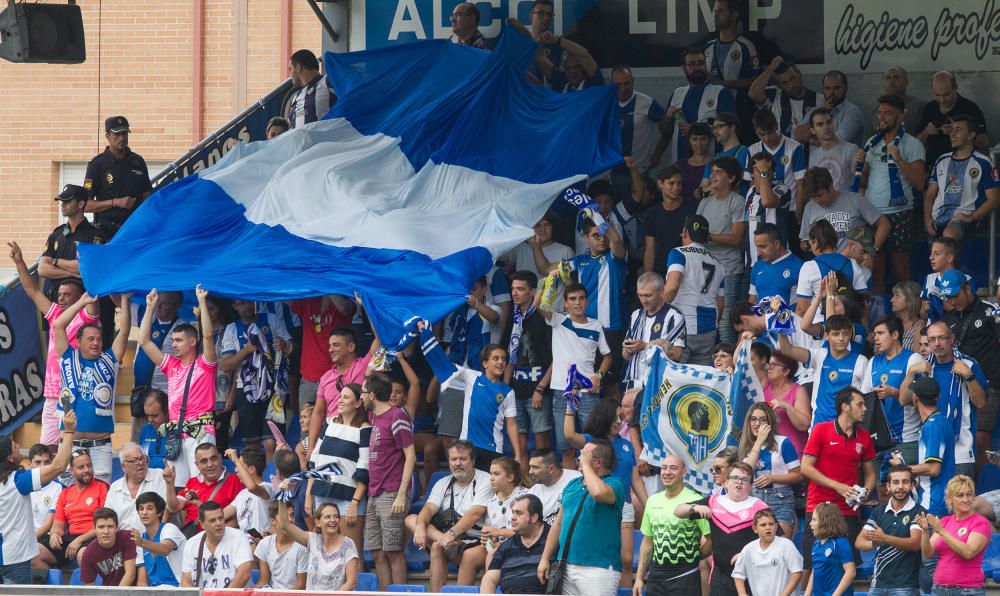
138 479
225 556
697 101
730 516
726 131
834 453
963 389
465 27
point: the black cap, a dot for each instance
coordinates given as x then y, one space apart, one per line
116 124
699 129
926 388
697 228
72 192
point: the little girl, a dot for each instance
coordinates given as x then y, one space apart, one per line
305 413
832 558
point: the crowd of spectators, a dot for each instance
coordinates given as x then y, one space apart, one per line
818 210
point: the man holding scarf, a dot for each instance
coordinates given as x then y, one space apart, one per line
963 389
887 171
529 369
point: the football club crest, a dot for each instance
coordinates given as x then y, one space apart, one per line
786 274
973 172
657 327
883 378
499 397
109 178
832 376
784 160
963 531
710 103
698 418
734 55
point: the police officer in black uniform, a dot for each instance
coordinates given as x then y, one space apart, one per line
117 180
59 261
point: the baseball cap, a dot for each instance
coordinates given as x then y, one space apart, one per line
950 283
697 228
116 124
925 387
72 192
725 118
864 236
699 129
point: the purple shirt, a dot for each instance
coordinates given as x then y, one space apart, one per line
392 431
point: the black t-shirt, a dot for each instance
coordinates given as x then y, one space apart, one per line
979 332
533 357
665 227
939 144
728 542
519 565
110 178
61 245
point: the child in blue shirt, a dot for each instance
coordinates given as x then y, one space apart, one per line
833 567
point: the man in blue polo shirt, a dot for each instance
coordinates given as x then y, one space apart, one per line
893 533
935 463
153 443
776 272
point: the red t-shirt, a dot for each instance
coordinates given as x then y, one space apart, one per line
231 486
316 344
109 563
838 457
78 506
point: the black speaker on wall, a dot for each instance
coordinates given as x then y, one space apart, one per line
50 33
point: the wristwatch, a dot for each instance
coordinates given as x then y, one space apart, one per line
970 378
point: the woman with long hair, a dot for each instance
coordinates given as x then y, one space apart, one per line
833 568
345 445
509 483
606 420
906 305
958 540
775 462
721 464
789 400
333 557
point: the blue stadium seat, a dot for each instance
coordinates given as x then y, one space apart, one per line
367 582
417 560
369 559
74 579
116 469
418 503
405 588
254 576
269 472
53 577
867 566
459 589
991 556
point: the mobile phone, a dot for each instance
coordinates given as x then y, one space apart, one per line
993 455
66 404
253 532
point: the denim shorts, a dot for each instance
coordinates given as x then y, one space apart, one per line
781 500
530 419
957 591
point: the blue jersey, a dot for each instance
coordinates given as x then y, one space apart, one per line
732 60
832 375
90 387
778 461
153 445
776 279
158 568
639 118
789 163
487 405
697 103
604 277
828 560
937 445
931 293
961 185
903 419
957 406
625 457
741 154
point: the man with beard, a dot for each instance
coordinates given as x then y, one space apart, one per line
732 58
514 562
848 120
75 508
69 292
892 532
891 166
697 101
789 100
895 82
465 27
548 480
832 153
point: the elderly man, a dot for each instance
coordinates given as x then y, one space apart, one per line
933 129
138 479
655 320
895 82
464 495
848 120
465 27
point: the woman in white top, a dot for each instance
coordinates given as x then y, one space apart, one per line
333 557
508 484
775 462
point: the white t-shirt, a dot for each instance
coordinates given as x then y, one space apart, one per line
121 500
328 571
574 343
43 502
551 496
231 552
285 566
839 161
17 534
465 498
768 571
498 512
174 559
522 256
251 510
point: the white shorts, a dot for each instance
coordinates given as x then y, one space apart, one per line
50 422
184 465
628 513
591 581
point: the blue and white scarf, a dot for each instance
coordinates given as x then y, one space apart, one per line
577 382
896 195
517 330
781 321
324 473
588 210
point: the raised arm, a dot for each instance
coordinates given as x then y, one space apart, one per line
59 327
598 489
757 89
28 282
207 329
569 428
294 532
120 345
146 329
61 460
413 394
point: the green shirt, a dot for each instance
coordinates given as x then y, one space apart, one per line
676 541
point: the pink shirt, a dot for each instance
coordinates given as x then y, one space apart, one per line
201 397
52 380
785 426
328 383
952 569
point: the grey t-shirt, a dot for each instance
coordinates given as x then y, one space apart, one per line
838 160
848 211
721 214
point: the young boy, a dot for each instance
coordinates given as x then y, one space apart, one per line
282 561
835 364
111 556
769 565
944 255
43 503
576 339
250 505
162 544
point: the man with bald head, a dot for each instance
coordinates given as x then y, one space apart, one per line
933 129
895 82
465 27
671 546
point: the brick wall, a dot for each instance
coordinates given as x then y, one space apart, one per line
142 55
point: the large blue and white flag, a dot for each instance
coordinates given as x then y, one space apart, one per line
435 159
693 411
